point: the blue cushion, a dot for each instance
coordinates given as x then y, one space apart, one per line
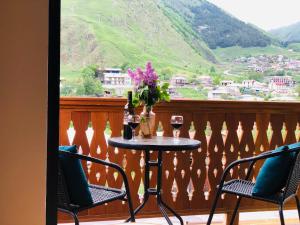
76 181
274 173
295 145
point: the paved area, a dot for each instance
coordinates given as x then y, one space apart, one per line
254 218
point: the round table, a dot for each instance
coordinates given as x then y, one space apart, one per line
159 144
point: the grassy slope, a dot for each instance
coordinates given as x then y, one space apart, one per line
123 31
190 36
239 72
191 93
69 73
295 47
228 54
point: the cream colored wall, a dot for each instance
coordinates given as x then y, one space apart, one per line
23 108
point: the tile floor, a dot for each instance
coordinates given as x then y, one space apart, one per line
254 218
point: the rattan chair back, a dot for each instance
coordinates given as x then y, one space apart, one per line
294 178
63 199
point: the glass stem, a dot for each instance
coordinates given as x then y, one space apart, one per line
176 133
133 134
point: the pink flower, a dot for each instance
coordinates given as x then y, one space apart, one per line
136 76
150 75
147 77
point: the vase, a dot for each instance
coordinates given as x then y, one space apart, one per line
147 123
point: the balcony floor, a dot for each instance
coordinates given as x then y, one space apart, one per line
255 218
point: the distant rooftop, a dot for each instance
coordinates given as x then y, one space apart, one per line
113 69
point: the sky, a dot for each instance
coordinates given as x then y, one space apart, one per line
266 14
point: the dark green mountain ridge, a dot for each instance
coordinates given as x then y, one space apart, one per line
216 27
288 34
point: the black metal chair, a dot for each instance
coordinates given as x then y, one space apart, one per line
100 194
243 188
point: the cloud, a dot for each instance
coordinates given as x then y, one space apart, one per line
266 14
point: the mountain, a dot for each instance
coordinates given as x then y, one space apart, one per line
127 33
173 34
288 34
216 27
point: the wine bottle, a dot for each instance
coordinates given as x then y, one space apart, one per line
128 110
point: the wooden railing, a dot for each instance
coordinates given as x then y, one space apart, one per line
228 131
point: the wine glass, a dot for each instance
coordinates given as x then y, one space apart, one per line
176 122
133 122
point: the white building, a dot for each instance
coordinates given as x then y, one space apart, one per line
227 83
114 77
252 84
281 83
205 81
224 92
178 80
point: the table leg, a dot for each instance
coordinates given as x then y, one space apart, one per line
162 205
147 191
172 211
146 184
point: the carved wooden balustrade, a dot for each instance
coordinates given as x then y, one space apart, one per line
228 131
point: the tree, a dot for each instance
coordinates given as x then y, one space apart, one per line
193 79
66 89
216 79
125 66
280 73
90 70
256 76
90 84
166 73
212 70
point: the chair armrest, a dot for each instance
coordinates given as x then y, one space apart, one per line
98 161
264 155
252 161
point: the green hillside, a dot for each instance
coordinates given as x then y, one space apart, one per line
126 32
289 34
229 54
216 27
294 46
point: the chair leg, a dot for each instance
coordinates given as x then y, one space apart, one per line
213 208
281 214
132 218
74 215
237 205
298 205
129 201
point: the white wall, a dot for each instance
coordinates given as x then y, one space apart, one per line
23 111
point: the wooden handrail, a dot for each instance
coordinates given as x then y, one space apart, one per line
189 104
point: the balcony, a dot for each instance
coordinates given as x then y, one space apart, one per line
228 131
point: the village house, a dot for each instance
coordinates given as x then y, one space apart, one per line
293 65
114 77
225 83
205 81
281 82
252 84
224 92
178 81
